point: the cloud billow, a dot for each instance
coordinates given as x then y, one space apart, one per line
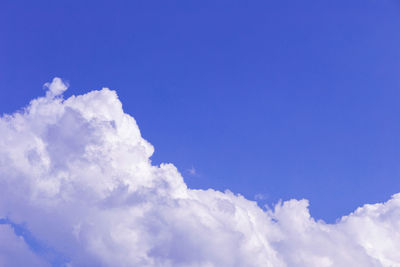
76 173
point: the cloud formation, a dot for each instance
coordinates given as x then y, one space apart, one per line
76 173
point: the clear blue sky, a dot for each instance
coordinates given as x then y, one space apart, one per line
289 99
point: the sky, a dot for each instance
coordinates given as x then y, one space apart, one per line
272 100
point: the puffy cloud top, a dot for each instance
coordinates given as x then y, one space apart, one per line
56 87
77 174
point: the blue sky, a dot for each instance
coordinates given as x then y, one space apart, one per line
287 99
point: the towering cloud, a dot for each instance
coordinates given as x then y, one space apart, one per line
76 174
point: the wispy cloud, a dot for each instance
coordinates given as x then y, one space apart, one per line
192 171
260 197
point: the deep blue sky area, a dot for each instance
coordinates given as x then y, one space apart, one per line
285 99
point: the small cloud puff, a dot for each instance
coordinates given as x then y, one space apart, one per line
77 174
56 87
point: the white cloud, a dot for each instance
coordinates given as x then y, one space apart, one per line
77 174
14 251
56 87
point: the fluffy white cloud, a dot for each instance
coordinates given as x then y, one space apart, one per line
77 174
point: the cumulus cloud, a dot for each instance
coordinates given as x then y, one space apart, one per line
77 174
